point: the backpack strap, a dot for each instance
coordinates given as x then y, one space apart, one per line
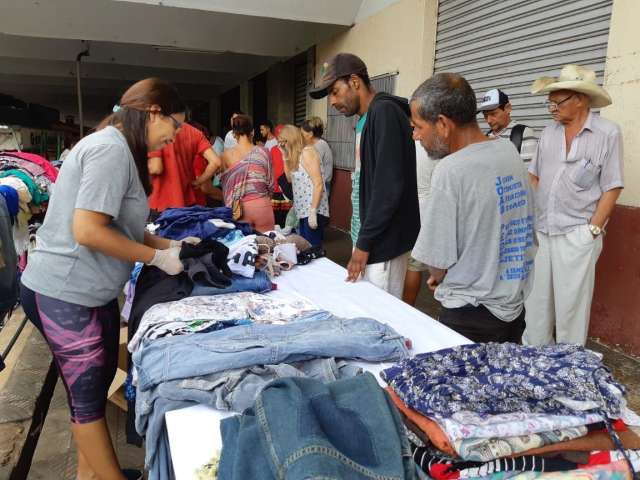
517 133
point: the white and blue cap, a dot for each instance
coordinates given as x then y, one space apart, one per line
493 99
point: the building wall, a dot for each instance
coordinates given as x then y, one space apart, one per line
615 315
401 38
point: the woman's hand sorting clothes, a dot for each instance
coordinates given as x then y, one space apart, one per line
168 261
313 218
189 240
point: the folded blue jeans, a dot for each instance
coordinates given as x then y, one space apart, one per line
173 358
229 390
260 283
300 428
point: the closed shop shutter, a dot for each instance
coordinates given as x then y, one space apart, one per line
507 44
300 94
341 131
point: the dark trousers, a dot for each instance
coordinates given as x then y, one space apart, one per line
479 325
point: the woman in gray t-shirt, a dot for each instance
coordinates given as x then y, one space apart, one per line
312 130
93 233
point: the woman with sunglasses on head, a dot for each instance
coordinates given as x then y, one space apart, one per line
93 232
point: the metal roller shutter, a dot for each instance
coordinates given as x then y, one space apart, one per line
300 94
507 44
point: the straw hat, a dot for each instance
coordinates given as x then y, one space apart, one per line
575 78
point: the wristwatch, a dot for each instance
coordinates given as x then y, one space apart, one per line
595 230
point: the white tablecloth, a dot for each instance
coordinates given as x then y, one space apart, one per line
194 433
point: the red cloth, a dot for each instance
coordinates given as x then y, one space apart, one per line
277 167
182 162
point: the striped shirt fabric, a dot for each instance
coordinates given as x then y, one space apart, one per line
529 141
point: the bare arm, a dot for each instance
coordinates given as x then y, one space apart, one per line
156 242
285 164
312 166
156 167
214 163
605 207
534 180
436 278
93 230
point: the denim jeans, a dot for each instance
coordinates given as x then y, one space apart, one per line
300 428
170 358
260 283
229 390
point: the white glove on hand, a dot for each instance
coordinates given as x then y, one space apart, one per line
168 261
178 243
313 218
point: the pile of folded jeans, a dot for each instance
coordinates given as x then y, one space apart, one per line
228 368
504 410
302 428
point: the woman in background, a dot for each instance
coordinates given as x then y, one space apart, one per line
303 170
247 182
312 130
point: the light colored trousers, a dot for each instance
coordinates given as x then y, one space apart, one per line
563 280
389 275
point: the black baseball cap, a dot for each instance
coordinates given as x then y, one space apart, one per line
342 65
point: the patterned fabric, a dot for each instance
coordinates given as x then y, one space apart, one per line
204 313
495 378
248 179
265 309
303 192
467 424
601 465
438 466
487 449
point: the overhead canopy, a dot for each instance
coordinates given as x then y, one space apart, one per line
204 46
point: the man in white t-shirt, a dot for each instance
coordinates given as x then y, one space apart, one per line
415 268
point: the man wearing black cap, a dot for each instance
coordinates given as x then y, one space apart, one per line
388 198
496 109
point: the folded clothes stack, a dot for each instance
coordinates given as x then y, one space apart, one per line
271 252
26 183
500 410
228 368
219 288
300 428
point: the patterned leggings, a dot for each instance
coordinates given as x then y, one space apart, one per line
84 344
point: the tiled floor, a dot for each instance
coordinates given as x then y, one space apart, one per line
55 456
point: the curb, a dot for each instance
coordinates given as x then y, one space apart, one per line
24 402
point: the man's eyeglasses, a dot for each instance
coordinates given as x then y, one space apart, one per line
555 105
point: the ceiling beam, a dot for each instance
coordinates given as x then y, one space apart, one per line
129 54
124 22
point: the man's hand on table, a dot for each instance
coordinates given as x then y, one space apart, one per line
357 265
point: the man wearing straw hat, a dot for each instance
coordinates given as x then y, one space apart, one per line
577 176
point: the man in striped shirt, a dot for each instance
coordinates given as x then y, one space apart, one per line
496 108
